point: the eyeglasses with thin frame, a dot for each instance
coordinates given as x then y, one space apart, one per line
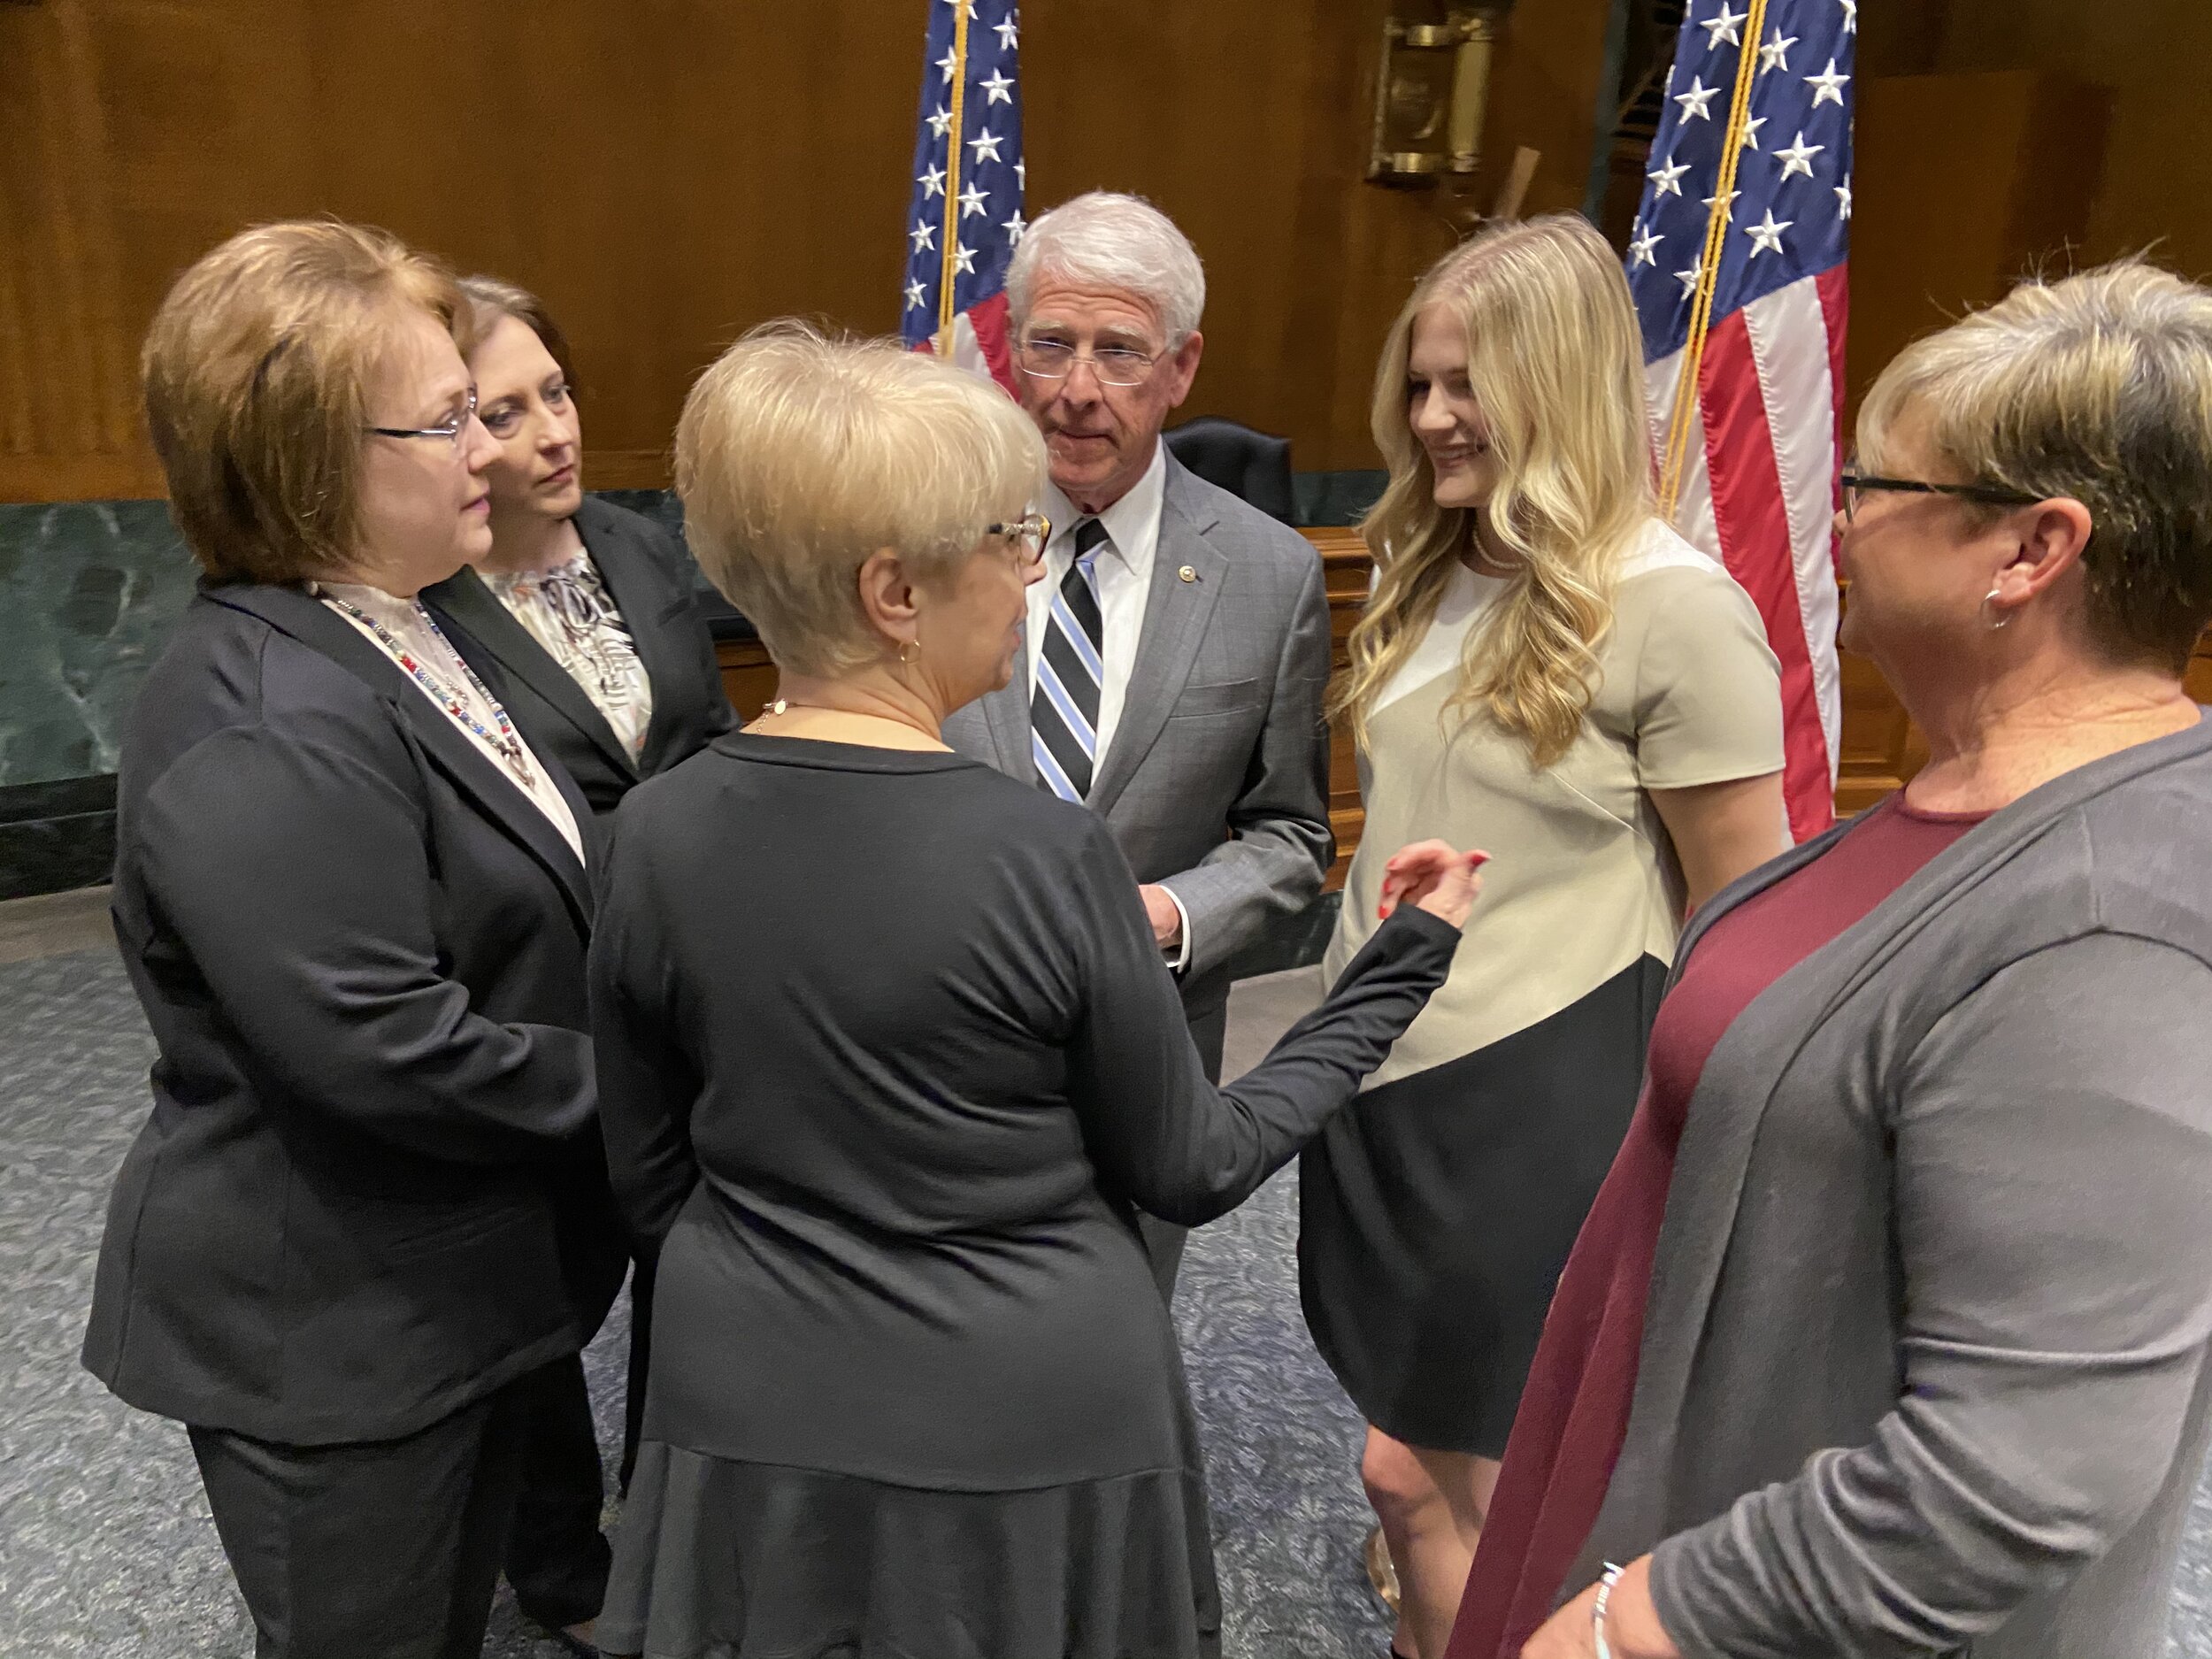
1027 535
1056 360
1857 483
451 429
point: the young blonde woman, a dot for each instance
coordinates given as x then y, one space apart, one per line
1547 667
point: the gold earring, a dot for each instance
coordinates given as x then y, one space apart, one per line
1993 617
913 646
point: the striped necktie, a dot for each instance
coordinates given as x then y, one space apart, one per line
1071 668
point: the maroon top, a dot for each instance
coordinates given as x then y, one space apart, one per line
1574 1411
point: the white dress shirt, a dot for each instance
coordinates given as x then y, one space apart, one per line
1123 574
405 621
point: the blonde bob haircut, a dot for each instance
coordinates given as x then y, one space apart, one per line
257 369
2097 387
798 456
1555 358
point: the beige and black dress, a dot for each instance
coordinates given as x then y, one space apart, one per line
1437 1214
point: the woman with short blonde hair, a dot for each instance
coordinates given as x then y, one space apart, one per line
1545 662
783 523
352 899
891 1059
1891 1331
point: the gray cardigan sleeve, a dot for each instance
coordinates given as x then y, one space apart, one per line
2053 1139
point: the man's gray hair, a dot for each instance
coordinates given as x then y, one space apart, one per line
1116 242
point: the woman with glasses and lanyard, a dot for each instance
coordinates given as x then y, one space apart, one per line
1891 1331
587 616
351 896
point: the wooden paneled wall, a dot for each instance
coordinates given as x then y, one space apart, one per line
2140 61
668 173
1997 137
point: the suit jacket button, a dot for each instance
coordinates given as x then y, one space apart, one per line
1188 573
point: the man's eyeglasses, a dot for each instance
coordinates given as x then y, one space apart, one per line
1027 536
1056 360
1856 484
451 429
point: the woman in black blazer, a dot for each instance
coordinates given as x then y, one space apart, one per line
587 615
353 902
590 611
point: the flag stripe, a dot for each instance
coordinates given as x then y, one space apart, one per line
1835 309
1789 333
988 322
1754 530
1693 505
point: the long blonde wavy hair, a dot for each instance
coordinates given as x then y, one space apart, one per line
1555 358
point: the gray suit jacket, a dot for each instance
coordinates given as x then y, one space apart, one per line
1217 782
1924 1365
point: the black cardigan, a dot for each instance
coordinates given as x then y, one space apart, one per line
361 950
650 575
887 1054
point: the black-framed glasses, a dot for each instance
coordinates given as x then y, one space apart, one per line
1056 360
1856 484
1027 535
451 429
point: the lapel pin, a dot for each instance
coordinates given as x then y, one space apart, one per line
1188 573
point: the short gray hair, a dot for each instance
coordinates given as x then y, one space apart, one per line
2096 387
1117 241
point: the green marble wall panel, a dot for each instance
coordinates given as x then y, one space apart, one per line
88 592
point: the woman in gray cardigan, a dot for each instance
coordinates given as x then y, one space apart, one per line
1888 1334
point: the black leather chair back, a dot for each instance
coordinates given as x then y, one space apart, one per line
1251 465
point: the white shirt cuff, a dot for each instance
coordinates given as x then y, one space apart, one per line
1178 954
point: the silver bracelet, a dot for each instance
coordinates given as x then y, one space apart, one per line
1597 1611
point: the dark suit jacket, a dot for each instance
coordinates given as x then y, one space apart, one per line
361 950
651 577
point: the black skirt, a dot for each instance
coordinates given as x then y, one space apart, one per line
717 1559
1437 1213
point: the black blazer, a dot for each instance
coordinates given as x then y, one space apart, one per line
361 950
649 575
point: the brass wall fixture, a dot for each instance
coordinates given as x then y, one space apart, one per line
1430 95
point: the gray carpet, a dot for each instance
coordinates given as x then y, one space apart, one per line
106 1545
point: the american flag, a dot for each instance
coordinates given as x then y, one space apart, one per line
969 182
1745 298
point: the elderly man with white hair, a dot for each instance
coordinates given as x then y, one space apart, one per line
1179 646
